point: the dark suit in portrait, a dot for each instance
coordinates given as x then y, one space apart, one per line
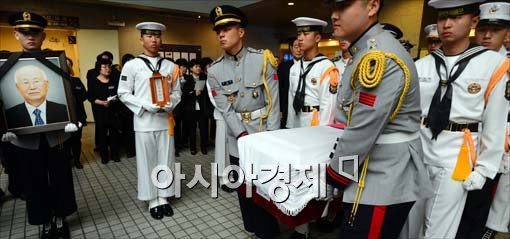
18 116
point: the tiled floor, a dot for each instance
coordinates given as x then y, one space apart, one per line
108 208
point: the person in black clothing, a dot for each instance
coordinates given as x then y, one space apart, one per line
13 171
45 168
103 97
283 79
180 129
93 73
194 105
127 130
80 95
209 107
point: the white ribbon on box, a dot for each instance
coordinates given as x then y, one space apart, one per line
301 148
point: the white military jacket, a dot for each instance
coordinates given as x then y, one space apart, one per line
134 90
468 106
317 93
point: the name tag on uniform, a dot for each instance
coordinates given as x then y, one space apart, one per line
225 83
111 87
77 88
123 78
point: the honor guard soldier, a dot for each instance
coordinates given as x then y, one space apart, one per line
245 89
432 36
378 100
44 162
153 124
462 89
490 32
313 81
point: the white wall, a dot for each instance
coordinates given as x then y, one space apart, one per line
90 43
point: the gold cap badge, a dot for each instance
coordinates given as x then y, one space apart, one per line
219 12
26 16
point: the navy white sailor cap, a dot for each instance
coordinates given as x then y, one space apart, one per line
307 24
454 8
497 13
150 28
431 31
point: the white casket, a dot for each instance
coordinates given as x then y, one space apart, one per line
301 148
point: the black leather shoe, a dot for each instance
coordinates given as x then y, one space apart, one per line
204 151
116 159
227 189
167 210
63 232
48 233
326 226
156 212
193 151
177 154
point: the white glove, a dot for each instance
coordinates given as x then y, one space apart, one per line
80 124
168 107
475 181
70 128
9 136
152 108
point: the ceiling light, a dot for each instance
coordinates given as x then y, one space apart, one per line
290 3
199 16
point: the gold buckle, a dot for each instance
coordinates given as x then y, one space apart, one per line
246 116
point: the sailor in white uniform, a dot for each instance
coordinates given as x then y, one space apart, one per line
153 124
460 95
491 33
432 36
313 80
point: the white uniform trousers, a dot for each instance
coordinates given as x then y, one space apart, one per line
444 210
221 156
413 228
153 149
499 215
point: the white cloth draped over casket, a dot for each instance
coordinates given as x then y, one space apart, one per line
299 151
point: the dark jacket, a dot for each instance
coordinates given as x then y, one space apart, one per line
283 87
80 95
18 115
101 91
189 97
93 73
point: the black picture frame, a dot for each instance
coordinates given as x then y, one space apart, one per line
14 116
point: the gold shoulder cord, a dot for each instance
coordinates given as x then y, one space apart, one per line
370 71
268 56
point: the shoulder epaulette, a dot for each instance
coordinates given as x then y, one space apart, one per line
336 58
217 60
258 51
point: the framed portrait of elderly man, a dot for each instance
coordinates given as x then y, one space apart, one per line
35 93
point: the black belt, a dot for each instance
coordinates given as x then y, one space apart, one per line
310 108
473 127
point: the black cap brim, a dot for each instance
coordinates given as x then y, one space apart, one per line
495 22
28 30
227 24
